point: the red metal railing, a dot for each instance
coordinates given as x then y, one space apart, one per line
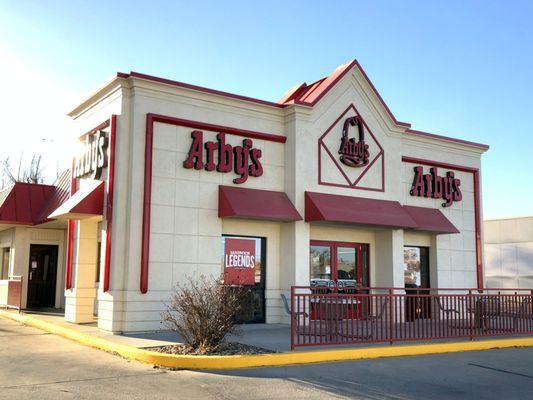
332 316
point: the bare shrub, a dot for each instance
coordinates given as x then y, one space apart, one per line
203 311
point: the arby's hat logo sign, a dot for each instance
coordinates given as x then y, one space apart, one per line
350 154
354 151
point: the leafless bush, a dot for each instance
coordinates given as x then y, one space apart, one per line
203 311
32 173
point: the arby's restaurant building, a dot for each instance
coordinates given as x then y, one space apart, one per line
177 181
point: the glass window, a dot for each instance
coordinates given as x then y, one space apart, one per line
416 267
4 267
346 263
320 262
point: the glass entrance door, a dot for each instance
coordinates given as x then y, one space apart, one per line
339 261
343 266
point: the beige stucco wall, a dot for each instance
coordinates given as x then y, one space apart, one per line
20 239
509 253
455 253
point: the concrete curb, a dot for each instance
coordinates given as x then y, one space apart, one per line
263 360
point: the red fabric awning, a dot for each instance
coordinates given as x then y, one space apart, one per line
87 202
430 220
255 204
356 210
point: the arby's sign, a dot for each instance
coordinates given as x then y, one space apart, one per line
94 157
239 261
243 160
437 187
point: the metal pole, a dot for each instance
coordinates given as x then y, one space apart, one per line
471 322
391 322
292 318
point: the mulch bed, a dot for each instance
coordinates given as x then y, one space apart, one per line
223 349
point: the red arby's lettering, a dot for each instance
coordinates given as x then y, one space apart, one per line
437 187
243 160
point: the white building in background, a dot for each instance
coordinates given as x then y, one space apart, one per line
509 253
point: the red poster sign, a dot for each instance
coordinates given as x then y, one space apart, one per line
239 261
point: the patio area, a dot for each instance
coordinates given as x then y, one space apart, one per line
331 315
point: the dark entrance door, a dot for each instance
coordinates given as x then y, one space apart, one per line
42 276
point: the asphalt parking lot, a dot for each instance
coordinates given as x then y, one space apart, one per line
34 364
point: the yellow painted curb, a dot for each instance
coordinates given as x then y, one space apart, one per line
262 360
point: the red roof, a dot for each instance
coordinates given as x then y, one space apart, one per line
23 202
311 94
256 204
28 203
59 196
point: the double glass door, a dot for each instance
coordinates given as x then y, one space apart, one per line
339 261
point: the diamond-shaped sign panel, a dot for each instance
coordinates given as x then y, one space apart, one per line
333 171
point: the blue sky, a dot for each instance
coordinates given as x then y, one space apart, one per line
462 69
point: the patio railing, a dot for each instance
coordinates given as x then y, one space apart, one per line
335 316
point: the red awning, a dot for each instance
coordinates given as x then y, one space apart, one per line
255 204
356 210
430 220
87 202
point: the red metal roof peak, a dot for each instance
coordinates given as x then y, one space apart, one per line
29 203
310 94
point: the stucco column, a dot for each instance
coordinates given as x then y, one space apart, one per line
294 255
389 258
20 259
389 265
79 301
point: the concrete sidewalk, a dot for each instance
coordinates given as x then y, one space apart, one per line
275 337
133 347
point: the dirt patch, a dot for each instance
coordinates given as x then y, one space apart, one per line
224 349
